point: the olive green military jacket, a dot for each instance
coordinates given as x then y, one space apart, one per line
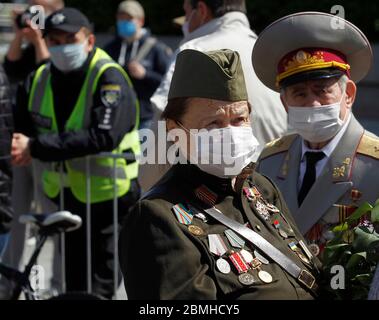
349 178
162 259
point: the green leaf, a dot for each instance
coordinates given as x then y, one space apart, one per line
355 261
375 213
364 239
359 213
340 228
334 254
364 279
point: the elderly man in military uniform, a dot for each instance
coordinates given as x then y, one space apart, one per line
213 228
330 166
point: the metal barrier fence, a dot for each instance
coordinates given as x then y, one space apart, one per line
129 158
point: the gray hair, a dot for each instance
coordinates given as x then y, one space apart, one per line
342 82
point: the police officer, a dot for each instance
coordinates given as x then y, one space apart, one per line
213 229
330 166
79 105
144 57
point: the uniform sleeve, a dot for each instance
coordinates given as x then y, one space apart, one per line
114 114
159 261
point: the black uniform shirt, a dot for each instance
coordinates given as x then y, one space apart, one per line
104 133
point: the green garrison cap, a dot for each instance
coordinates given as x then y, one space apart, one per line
213 75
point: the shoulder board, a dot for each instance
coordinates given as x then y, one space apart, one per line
369 146
278 146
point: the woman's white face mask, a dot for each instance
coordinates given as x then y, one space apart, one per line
316 124
221 152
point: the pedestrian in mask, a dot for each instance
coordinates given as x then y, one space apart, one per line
142 55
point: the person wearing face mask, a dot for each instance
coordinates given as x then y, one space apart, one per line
181 241
330 166
80 104
21 60
144 57
215 25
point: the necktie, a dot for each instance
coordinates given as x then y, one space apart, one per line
310 174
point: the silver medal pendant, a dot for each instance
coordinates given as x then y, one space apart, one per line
265 276
246 279
247 256
223 266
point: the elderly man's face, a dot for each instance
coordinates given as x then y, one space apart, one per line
316 93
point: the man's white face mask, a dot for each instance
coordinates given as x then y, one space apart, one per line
222 152
316 124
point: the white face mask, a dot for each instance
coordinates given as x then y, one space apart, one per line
68 57
222 152
316 124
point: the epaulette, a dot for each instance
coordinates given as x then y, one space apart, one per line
278 146
369 146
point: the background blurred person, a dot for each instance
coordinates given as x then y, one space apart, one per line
21 60
143 57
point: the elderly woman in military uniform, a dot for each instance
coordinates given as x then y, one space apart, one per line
213 228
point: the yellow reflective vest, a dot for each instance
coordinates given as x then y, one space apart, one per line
106 175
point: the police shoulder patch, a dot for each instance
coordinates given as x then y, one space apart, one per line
110 95
369 146
278 146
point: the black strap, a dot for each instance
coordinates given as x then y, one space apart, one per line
303 276
310 174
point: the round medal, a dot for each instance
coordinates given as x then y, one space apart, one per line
283 234
223 266
195 230
314 248
247 256
261 258
246 279
265 276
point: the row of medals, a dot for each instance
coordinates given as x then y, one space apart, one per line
242 260
270 212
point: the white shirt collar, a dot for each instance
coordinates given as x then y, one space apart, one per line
331 146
